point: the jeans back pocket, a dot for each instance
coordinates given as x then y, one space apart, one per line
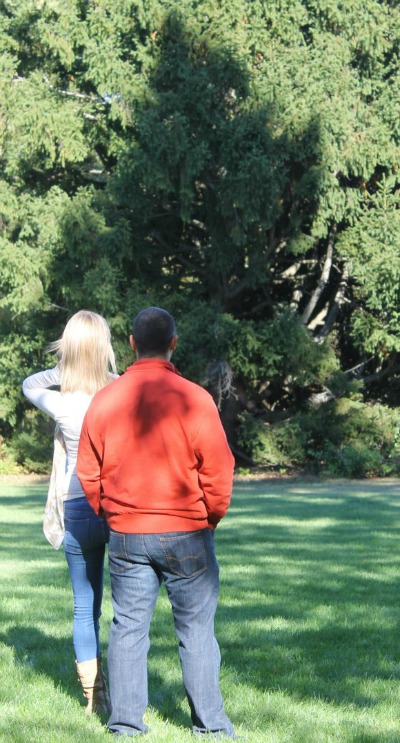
185 553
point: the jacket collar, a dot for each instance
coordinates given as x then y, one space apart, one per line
144 364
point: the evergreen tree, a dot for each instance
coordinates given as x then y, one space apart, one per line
235 162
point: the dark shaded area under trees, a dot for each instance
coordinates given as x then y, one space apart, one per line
235 163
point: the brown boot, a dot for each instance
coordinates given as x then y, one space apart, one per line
94 686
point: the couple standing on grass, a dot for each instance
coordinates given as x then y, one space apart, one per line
146 466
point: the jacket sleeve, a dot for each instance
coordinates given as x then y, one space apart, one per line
89 462
216 464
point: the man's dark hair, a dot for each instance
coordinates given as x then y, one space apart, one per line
153 330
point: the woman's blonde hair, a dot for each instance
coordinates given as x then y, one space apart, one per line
86 357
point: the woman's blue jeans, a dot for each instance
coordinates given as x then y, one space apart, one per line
186 562
85 539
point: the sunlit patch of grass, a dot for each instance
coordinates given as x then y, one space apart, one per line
308 621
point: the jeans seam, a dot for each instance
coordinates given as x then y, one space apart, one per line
145 550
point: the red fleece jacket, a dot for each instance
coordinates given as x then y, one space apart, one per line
153 456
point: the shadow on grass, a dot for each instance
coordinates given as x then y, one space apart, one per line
45 654
25 534
22 509
309 589
41 569
166 696
309 598
23 491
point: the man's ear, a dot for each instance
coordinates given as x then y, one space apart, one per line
173 343
132 343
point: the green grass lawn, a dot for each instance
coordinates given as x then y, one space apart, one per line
308 622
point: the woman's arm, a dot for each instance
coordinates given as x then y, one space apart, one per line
36 389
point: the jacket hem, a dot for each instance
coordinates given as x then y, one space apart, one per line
150 524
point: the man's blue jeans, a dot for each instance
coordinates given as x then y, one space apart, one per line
186 562
84 545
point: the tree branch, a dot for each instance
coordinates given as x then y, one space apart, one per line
339 300
323 280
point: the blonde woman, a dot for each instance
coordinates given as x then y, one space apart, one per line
86 364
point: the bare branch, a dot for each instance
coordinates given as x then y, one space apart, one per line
391 368
296 298
359 366
339 300
323 280
318 319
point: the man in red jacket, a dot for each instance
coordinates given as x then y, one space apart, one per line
154 461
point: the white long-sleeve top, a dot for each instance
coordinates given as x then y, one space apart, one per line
67 409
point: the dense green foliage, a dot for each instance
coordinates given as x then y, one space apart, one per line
234 162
